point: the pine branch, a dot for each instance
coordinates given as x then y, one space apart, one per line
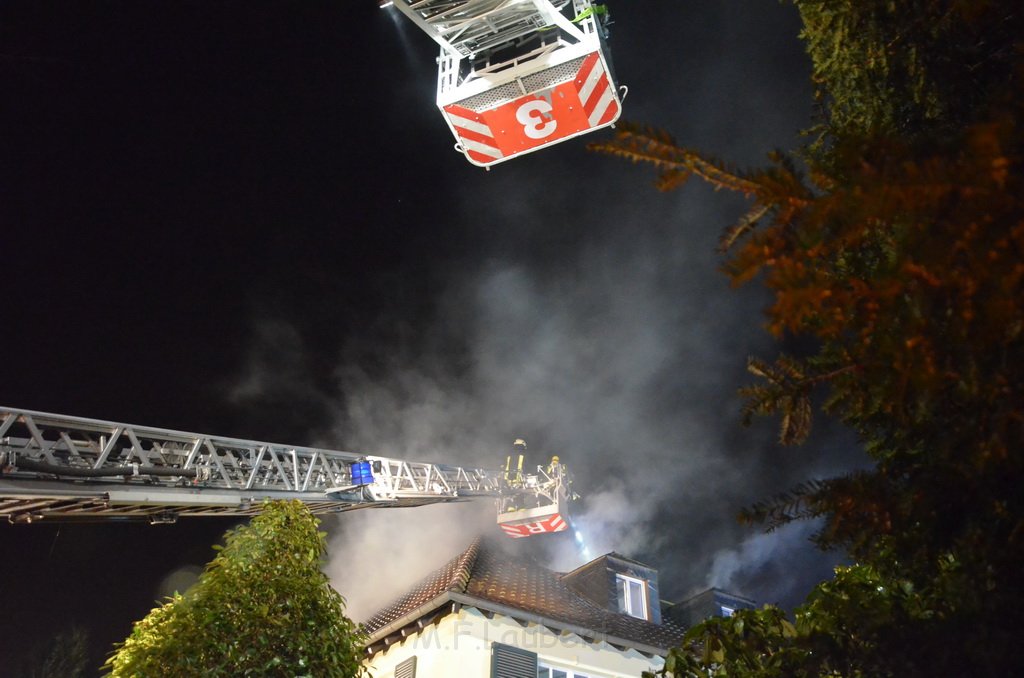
645 144
798 503
742 227
786 391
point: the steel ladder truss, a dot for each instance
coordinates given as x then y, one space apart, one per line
70 468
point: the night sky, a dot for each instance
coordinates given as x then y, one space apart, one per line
247 219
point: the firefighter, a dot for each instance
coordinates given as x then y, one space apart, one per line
514 464
604 18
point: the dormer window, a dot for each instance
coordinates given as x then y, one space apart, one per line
632 596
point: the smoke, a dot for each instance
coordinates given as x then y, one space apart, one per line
608 520
622 360
377 555
764 562
178 581
563 301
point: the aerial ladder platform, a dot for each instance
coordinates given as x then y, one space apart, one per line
515 76
62 468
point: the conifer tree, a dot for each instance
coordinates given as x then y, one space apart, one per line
895 241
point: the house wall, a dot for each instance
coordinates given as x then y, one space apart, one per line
460 645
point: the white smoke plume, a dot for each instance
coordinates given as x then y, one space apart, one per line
377 554
764 557
617 367
562 300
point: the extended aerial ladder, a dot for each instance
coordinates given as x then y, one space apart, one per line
56 467
515 76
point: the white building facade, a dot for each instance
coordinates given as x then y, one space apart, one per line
488 615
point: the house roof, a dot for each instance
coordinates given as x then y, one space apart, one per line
600 562
485 577
706 604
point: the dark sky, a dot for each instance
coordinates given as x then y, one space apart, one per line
247 219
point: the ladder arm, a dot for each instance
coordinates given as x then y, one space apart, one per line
56 466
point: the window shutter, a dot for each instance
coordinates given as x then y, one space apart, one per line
406 669
512 662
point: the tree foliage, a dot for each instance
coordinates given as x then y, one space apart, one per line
895 242
262 607
861 624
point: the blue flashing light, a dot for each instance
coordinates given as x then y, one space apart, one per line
362 474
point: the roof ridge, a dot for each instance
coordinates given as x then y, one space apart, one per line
464 565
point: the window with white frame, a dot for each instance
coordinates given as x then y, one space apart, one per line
632 596
544 671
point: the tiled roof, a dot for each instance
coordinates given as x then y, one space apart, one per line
487 578
707 604
451 577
